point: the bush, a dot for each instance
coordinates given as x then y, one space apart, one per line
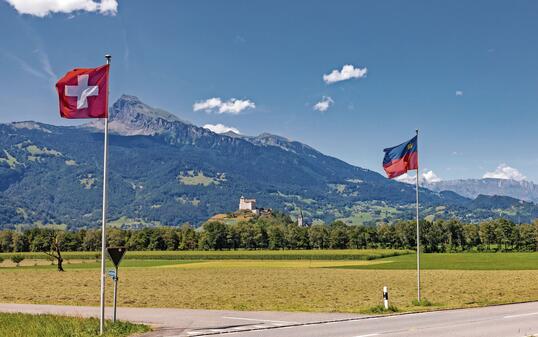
17 259
380 309
423 303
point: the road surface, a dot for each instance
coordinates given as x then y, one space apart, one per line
514 320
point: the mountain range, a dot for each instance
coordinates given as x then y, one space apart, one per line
167 171
471 188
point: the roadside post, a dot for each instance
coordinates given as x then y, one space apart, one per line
116 255
386 297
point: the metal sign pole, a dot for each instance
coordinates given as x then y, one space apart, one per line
115 295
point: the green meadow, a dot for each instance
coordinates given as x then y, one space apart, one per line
458 261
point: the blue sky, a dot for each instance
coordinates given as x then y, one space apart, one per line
464 72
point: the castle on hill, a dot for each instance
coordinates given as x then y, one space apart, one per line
250 205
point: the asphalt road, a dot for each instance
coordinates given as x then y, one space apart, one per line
515 320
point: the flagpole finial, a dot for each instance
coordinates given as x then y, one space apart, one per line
108 57
416 131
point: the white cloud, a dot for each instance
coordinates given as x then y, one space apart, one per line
220 128
504 171
427 177
43 8
324 104
430 177
348 72
208 104
459 93
232 106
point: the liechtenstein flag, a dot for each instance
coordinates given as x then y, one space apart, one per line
401 158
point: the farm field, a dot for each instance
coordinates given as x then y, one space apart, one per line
25 325
338 254
458 261
449 281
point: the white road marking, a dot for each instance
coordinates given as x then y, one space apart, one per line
522 315
369 335
260 320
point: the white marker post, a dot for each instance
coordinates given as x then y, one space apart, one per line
386 297
103 229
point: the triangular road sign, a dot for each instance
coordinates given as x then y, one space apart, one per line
116 254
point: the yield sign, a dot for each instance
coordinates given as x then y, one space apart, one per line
116 254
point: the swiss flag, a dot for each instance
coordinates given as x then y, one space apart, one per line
83 93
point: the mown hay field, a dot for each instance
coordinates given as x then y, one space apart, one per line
287 285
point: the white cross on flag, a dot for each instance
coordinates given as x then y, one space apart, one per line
83 93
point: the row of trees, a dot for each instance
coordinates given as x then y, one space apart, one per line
282 233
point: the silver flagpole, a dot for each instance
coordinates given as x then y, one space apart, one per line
103 229
418 236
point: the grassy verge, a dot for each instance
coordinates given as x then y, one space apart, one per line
330 254
25 325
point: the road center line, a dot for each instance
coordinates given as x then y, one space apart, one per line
260 320
522 315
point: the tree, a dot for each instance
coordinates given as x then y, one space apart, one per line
117 237
139 240
188 238
6 241
20 242
55 248
215 235
471 236
297 237
92 240
276 236
339 236
432 236
386 235
17 259
527 238
454 234
318 236
487 233
357 237
504 230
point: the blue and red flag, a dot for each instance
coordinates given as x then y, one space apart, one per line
401 158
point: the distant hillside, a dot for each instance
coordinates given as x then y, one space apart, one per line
166 171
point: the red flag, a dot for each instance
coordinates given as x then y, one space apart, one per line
83 93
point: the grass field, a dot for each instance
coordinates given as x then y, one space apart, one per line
23 325
341 254
459 261
449 280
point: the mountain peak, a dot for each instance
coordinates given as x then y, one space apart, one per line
127 98
129 107
130 116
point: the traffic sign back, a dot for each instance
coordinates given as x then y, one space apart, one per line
116 254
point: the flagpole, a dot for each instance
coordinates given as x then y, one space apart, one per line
418 235
103 229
